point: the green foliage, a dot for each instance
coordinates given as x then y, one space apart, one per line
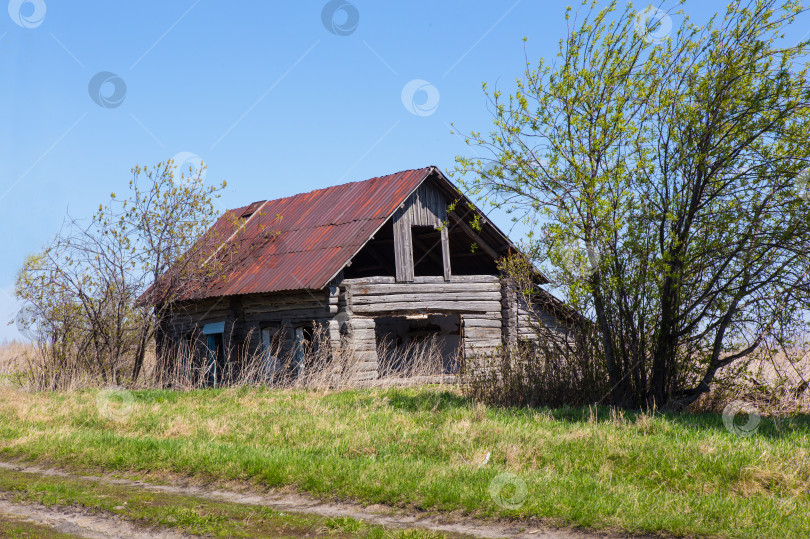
659 181
81 290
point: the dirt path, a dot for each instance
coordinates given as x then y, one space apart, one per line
295 503
79 522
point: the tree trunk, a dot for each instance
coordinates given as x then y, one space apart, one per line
664 351
140 352
616 382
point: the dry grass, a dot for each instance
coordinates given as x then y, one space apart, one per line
777 383
534 375
324 368
15 358
29 366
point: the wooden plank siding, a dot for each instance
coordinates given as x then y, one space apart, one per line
425 207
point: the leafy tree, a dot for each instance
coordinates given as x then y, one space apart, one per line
658 177
81 291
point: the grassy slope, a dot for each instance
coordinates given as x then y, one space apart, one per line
678 474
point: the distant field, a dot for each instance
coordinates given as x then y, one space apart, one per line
432 449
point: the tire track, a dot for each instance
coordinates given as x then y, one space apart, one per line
81 522
298 503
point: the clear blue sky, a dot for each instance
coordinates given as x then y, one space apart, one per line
271 99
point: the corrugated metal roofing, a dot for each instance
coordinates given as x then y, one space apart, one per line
303 241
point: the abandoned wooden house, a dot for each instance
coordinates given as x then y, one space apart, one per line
387 260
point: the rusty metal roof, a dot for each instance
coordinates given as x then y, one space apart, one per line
303 241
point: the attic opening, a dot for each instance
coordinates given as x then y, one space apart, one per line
468 255
250 210
376 258
427 251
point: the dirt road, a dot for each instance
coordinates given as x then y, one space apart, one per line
84 523
81 523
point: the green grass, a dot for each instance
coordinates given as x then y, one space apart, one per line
424 448
186 513
19 528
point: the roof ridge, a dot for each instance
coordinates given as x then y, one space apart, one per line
426 168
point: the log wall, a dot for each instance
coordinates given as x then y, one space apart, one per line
245 316
476 298
490 314
521 321
363 342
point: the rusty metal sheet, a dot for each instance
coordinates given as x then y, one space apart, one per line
300 242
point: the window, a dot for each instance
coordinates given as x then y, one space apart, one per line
299 351
271 350
305 347
427 251
215 364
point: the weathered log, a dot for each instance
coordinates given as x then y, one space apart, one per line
377 289
434 307
365 366
423 279
493 322
428 299
482 333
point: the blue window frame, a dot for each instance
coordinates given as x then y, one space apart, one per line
215 367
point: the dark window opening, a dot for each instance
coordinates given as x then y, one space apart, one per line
272 341
250 210
295 357
376 258
215 367
185 361
427 251
467 257
304 347
186 352
418 344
